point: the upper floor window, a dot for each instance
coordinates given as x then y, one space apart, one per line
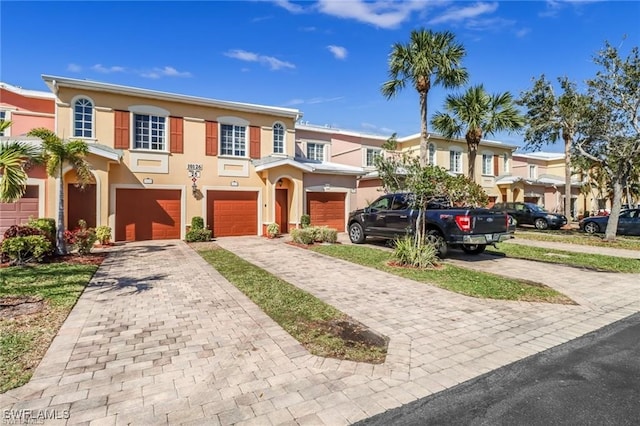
533 171
432 154
233 140
150 132
370 156
278 138
487 164
505 162
83 118
455 161
315 151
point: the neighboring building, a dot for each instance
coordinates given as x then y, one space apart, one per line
26 109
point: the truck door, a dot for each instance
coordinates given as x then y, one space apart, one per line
376 214
398 218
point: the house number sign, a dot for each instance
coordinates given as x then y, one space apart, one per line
194 170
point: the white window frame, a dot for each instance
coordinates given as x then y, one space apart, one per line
91 120
161 133
318 147
487 169
505 164
238 143
457 154
432 153
374 151
533 171
277 143
7 117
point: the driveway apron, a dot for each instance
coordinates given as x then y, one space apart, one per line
159 337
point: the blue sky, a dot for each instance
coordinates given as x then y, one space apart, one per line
326 58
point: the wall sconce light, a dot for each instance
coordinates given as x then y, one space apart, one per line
194 188
280 182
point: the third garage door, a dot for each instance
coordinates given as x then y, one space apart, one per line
232 213
147 214
326 208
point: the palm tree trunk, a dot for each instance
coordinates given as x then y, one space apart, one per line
567 176
424 149
61 248
612 224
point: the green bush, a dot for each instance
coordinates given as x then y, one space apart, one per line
46 225
26 249
195 235
407 254
305 221
103 234
327 235
197 222
273 229
81 238
303 236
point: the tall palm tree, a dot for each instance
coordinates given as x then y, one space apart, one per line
57 153
13 157
476 113
428 55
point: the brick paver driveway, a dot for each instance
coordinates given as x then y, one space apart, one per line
160 337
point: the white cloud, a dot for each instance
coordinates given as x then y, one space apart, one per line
74 68
107 70
458 14
273 63
165 71
312 101
375 129
308 29
523 32
338 52
383 14
291 7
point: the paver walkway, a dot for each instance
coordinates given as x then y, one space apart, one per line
159 337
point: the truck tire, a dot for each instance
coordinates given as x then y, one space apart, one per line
435 237
473 248
356 233
541 223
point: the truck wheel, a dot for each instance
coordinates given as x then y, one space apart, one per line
473 248
435 237
541 224
356 233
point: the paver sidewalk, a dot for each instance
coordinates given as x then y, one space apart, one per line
159 337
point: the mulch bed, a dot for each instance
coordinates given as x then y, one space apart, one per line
72 259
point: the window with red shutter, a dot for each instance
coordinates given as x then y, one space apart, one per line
176 137
121 128
254 142
211 138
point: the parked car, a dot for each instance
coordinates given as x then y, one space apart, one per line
628 223
532 214
392 216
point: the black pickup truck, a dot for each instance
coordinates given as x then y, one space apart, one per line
469 229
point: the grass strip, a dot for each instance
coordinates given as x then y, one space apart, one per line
577 237
305 317
25 339
450 277
596 262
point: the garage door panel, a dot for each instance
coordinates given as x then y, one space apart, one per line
148 214
21 211
327 209
232 213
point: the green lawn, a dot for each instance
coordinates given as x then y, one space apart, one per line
25 338
450 277
305 317
578 237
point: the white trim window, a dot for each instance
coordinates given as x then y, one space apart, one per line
315 151
505 162
5 116
455 161
533 171
487 164
278 138
370 155
432 154
150 132
83 118
233 140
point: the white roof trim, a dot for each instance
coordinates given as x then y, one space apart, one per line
26 92
331 130
55 82
324 167
483 142
96 150
283 162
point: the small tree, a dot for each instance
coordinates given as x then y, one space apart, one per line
14 156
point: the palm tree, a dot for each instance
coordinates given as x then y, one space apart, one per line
57 153
13 157
427 55
477 113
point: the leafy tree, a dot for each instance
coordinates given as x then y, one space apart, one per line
13 158
611 126
429 58
476 113
57 154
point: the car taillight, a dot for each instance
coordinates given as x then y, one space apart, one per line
464 223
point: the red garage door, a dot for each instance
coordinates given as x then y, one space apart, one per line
19 212
232 213
326 209
147 214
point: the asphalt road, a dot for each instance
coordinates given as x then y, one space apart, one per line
592 380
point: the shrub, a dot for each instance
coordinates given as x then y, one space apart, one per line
198 234
25 249
81 239
273 229
197 222
305 221
327 235
46 225
103 234
22 231
406 253
303 235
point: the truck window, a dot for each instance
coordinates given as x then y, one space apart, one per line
381 204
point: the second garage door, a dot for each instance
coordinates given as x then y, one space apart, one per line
232 213
147 214
19 212
326 209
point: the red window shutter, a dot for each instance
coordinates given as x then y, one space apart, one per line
254 141
176 137
211 138
496 166
121 136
